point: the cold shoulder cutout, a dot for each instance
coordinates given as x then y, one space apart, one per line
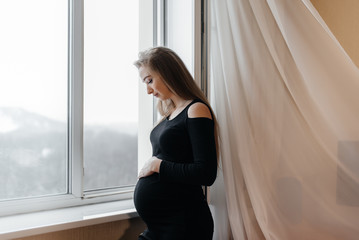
199 110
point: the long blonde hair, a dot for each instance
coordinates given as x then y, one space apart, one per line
177 78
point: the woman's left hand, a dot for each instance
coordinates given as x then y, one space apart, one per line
150 167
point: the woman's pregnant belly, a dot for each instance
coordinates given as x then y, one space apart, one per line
156 201
154 198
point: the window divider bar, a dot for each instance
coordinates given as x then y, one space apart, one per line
197 43
76 83
204 48
161 23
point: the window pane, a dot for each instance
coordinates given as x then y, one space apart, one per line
33 98
111 93
179 30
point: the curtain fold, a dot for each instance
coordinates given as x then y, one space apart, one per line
287 100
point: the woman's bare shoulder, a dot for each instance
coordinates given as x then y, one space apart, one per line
199 110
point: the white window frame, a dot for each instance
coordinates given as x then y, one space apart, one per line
151 34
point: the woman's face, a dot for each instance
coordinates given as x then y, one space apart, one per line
154 83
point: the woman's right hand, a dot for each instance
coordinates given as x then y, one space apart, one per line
150 167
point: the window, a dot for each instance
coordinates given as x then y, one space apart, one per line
74 118
179 30
184 32
33 98
111 44
69 101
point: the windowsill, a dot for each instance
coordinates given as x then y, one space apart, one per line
61 219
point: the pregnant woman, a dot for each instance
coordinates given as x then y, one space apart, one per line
168 195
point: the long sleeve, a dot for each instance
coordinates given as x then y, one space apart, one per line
203 170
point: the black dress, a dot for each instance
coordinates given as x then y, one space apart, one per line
172 203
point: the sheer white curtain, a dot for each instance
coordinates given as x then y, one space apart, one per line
287 100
